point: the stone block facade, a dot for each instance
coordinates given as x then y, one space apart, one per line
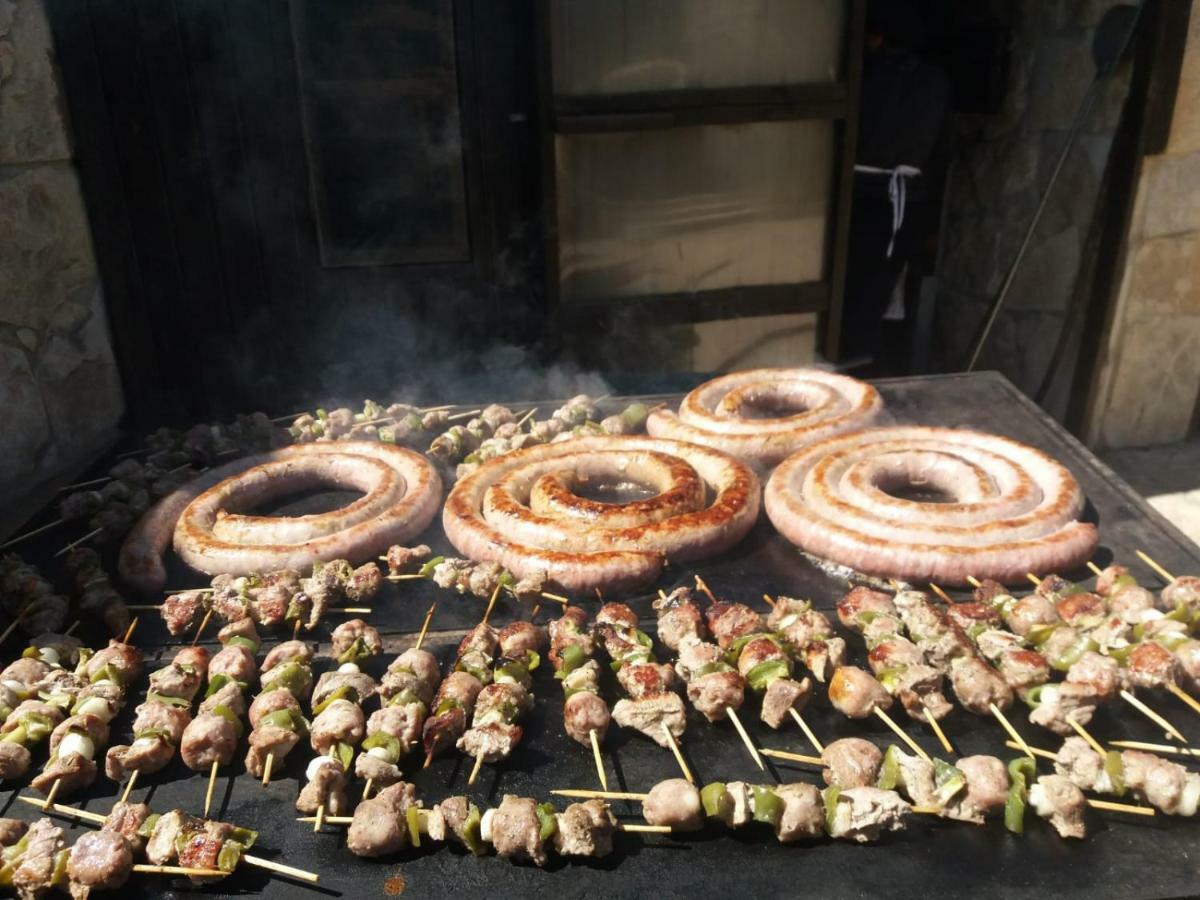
59 385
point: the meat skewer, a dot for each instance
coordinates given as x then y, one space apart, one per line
494 731
339 723
715 688
96 597
166 711
465 576
276 719
210 740
31 600
586 715
406 692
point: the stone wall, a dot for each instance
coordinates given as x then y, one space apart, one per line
1150 368
1001 164
59 386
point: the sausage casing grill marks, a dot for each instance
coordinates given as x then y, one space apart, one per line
518 510
1015 509
402 490
715 414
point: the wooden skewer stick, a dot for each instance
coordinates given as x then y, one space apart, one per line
1157 748
203 624
902 734
1163 573
525 418
74 625
428 759
973 581
296 630
1087 736
129 786
257 861
212 785
741 730
83 484
1036 751
945 597
191 872
9 630
463 415
1122 807
29 534
425 627
687 773
793 757
1007 726
603 795
767 599
1033 579
71 546
704 589
266 779
645 829
367 788
130 630
557 598
1096 570
411 576
49 804
491 603
603 776
941 735
328 820
1171 730
475 769
355 610
808 732
320 818
1185 697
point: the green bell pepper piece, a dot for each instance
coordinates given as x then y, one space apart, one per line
715 799
571 659
426 570
342 692
829 797
381 740
767 805
765 672
413 817
948 780
545 813
889 772
343 753
471 831
1115 767
219 681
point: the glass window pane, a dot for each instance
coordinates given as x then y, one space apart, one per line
624 46
693 209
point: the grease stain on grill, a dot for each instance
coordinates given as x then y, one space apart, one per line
394 886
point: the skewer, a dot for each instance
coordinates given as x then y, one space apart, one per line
129 631
1096 570
1163 573
256 861
973 581
491 603
1171 730
9 630
151 869
557 598
941 735
412 576
29 534
52 794
1122 807
601 795
1157 748
1007 726
808 732
945 597
463 415
741 730
71 546
525 418
266 779
794 757
475 770
425 627
1086 735
767 599
428 759
74 625
1185 697
320 818
129 786
1034 580
621 826
203 625
367 788
83 484
599 761
705 590
902 734
212 784
296 630
687 773
1035 751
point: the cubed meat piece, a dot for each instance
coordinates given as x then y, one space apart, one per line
783 695
1057 800
674 802
863 814
650 715
585 829
100 861
855 693
851 762
516 830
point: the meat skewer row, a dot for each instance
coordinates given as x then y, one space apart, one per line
339 723
202 848
29 599
275 597
651 705
276 715
92 696
96 597
465 576
398 423
762 657
48 665
586 716
494 731
406 693
520 828
1164 785
167 710
715 688
211 739
454 703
